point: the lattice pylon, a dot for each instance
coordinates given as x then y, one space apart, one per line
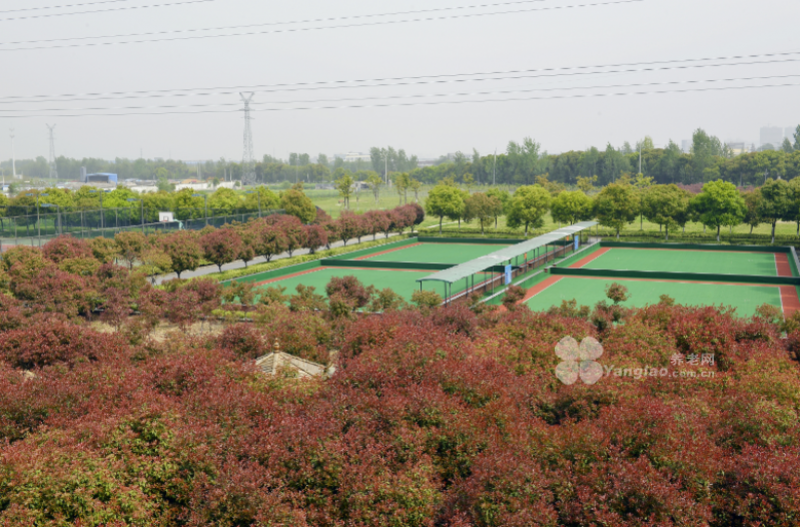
248 158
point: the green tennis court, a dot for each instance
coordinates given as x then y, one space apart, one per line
687 261
590 291
439 253
402 282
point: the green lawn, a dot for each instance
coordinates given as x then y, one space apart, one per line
761 264
442 253
402 282
590 291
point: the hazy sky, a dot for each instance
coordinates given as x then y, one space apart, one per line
621 33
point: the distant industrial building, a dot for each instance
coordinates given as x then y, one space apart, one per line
772 135
353 157
101 178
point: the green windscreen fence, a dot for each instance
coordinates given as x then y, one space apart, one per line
685 277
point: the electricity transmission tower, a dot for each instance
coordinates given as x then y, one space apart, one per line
248 158
13 159
53 169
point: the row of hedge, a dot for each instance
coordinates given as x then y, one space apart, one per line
295 260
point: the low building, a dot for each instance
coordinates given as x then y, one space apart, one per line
101 178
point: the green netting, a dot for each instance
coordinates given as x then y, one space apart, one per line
590 291
445 253
687 261
690 277
696 246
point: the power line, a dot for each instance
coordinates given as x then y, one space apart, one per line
61 6
94 11
296 30
412 96
432 103
409 80
291 22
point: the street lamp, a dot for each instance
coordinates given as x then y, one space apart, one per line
58 215
102 226
205 197
142 204
259 199
38 223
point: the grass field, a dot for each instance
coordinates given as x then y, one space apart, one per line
590 291
743 263
402 282
441 253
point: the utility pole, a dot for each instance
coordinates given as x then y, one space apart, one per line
53 168
13 160
640 158
248 158
494 170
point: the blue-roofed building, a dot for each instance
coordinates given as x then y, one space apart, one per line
110 179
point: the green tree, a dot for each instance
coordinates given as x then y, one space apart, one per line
224 202
504 198
415 186
401 183
344 185
787 146
720 204
797 138
483 208
375 182
572 207
444 201
665 205
260 198
586 184
776 203
297 204
616 206
752 202
528 207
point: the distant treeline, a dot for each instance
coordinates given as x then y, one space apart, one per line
520 164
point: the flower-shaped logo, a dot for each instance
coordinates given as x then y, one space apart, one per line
579 360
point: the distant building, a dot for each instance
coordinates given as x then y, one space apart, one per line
772 135
102 178
790 133
737 147
353 157
686 146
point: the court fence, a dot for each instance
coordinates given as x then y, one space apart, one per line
38 229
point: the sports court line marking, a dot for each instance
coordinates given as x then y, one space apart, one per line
790 300
288 276
688 250
594 256
367 257
782 264
541 286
